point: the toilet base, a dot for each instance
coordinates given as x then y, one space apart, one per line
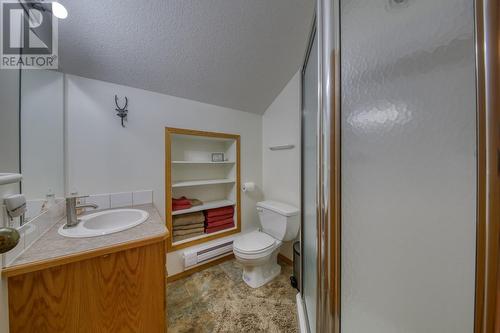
258 275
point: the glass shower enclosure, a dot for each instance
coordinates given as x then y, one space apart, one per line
309 167
389 167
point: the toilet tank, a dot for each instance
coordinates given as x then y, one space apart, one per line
278 219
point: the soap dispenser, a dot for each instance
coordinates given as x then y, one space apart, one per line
50 202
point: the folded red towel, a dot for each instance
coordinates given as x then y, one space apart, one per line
179 207
219 222
219 218
181 204
219 228
181 201
219 211
175 203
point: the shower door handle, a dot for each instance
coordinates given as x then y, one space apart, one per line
498 162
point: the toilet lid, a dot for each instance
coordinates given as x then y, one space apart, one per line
255 241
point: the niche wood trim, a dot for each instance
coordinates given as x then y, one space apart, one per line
174 178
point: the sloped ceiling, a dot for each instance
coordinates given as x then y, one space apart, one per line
232 53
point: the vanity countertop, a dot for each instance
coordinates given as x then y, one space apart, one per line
53 249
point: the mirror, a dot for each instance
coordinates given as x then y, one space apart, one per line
9 130
42 138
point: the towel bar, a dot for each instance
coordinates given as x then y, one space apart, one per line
282 147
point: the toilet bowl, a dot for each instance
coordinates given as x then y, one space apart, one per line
258 250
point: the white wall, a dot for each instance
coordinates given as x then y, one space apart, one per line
281 169
9 120
9 160
103 157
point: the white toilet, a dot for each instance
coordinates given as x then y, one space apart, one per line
258 250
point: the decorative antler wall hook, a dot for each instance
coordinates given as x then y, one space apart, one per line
122 112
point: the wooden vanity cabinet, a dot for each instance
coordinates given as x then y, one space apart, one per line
121 291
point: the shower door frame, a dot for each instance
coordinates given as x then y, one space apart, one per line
325 28
329 224
487 314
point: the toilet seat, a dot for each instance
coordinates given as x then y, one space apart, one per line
255 243
258 253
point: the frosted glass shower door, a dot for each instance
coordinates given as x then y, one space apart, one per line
309 181
408 166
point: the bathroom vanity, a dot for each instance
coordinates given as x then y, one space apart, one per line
111 283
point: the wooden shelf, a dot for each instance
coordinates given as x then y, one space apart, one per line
197 137
190 172
202 162
205 206
189 183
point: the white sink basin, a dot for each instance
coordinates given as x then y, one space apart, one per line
105 222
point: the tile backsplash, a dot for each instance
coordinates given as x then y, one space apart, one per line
103 201
142 197
120 199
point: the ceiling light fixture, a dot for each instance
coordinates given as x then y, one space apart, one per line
54 7
59 10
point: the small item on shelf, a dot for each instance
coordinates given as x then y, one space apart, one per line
217 157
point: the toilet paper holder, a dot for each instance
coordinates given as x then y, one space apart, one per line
248 187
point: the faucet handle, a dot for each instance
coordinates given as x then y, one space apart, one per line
72 200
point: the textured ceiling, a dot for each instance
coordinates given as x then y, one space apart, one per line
233 53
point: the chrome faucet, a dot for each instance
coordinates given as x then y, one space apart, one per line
71 207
